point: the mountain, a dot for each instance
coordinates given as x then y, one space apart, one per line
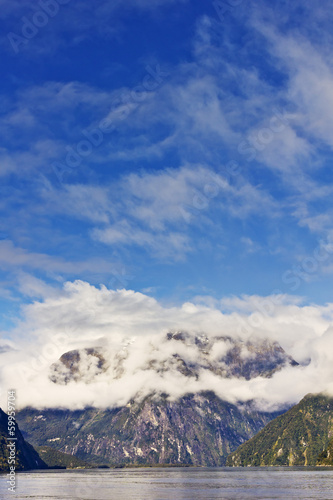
326 456
197 429
25 455
54 458
70 366
190 355
297 437
154 428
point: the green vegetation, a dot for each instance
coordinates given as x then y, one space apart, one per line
25 456
297 437
326 456
55 458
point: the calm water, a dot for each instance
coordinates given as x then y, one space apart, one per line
173 484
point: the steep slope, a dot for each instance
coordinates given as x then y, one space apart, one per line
326 456
197 429
55 458
294 438
26 457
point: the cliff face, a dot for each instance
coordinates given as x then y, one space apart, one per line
326 457
197 429
26 457
297 437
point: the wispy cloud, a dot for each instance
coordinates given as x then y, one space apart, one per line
158 210
226 160
15 259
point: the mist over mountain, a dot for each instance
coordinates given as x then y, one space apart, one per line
168 425
178 353
128 345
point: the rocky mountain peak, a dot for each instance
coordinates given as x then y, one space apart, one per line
177 352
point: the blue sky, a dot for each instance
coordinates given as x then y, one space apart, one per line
181 149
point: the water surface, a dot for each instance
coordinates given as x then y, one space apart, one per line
174 484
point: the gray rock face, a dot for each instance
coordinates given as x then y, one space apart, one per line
224 356
228 357
198 429
84 364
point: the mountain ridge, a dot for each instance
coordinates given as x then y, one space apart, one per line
198 429
297 437
180 352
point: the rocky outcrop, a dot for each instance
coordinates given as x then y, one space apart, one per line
223 356
83 365
326 456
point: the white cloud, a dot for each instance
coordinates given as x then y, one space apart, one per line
310 85
157 210
31 286
130 329
85 202
207 107
17 259
161 245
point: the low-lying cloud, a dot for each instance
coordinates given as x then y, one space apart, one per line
129 329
